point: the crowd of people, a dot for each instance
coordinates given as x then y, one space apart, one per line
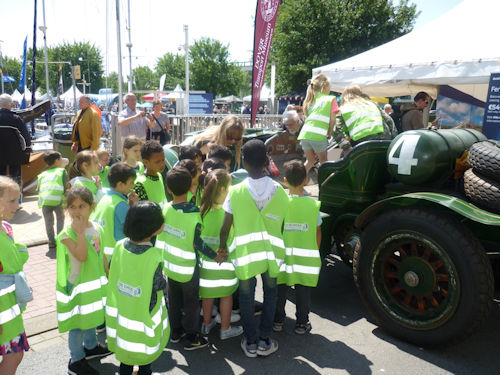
179 240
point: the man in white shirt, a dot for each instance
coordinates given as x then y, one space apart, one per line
132 121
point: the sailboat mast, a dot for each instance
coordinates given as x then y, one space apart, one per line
129 45
119 46
44 30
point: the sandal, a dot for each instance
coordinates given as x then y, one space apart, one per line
301 329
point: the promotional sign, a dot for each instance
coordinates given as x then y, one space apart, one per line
201 104
265 19
491 123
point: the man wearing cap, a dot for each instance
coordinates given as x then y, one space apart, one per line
15 141
132 121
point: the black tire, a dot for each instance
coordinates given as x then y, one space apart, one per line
464 273
482 191
484 157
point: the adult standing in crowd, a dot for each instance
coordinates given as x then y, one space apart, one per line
87 128
229 134
360 119
161 129
133 121
15 141
411 114
388 109
320 109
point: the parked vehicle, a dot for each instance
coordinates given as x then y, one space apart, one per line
420 244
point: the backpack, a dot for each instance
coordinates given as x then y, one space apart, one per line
397 117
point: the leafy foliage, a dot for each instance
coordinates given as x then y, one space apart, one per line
173 65
144 78
311 33
211 70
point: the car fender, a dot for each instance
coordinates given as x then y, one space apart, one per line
459 206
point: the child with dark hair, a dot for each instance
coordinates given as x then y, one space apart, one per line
209 165
223 153
181 242
135 292
302 237
131 153
257 207
149 186
81 282
194 194
191 153
112 209
51 187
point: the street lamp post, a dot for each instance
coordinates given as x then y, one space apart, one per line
186 50
88 69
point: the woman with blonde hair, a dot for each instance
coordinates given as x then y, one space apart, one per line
229 134
320 109
360 119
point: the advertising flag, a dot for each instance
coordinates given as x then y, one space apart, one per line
22 79
265 19
60 88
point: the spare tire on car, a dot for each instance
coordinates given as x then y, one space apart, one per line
484 158
482 191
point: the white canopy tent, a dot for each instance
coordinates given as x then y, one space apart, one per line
69 94
265 94
460 49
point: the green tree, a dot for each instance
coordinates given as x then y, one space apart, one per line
311 33
87 56
144 78
211 70
173 66
11 67
113 82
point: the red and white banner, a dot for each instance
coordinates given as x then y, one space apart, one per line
265 19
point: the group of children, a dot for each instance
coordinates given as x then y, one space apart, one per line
194 235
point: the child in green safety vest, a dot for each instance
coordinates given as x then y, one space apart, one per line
84 172
13 341
216 281
302 237
149 186
51 187
131 153
136 314
181 242
257 207
194 193
103 157
81 282
112 209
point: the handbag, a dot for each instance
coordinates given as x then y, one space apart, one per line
165 136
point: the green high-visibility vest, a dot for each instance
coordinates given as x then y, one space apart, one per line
13 257
81 307
258 243
216 280
104 215
302 260
139 168
103 175
177 243
136 335
89 184
154 189
51 187
318 119
362 119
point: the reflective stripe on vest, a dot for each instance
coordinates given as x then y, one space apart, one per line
135 347
317 121
83 306
302 258
9 314
362 120
50 187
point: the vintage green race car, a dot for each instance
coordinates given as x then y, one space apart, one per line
419 233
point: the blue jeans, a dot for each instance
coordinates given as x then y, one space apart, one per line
247 307
77 337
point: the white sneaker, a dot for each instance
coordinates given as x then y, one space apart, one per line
205 330
234 318
231 332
